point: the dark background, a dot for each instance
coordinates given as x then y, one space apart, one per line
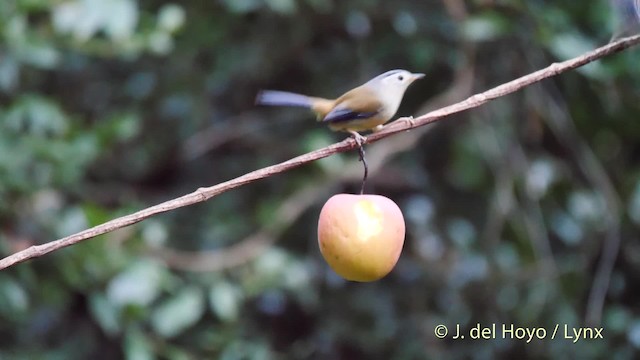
515 210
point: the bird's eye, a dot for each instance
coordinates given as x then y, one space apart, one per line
400 77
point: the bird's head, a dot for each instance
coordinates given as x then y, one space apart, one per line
391 85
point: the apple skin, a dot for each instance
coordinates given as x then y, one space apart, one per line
361 236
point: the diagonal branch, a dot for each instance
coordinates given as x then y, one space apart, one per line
207 193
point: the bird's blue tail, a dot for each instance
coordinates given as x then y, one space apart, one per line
282 98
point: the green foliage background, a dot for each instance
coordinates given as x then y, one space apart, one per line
107 107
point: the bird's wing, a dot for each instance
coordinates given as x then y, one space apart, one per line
345 114
354 105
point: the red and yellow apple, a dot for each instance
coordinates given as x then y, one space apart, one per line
361 236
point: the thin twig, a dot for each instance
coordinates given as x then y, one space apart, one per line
204 194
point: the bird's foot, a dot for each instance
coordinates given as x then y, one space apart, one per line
360 140
410 120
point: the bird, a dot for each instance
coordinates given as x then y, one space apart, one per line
366 107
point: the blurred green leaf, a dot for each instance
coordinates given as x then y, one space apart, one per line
118 127
462 232
139 284
225 300
105 313
9 73
138 346
175 315
485 27
36 115
171 17
14 300
282 6
72 220
567 228
84 18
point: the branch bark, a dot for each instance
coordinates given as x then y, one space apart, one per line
204 194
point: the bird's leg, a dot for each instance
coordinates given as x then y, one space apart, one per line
360 140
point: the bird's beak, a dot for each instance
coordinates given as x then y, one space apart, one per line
417 76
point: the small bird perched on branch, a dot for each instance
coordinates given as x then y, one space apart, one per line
366 107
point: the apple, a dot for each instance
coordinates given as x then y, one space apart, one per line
361 236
